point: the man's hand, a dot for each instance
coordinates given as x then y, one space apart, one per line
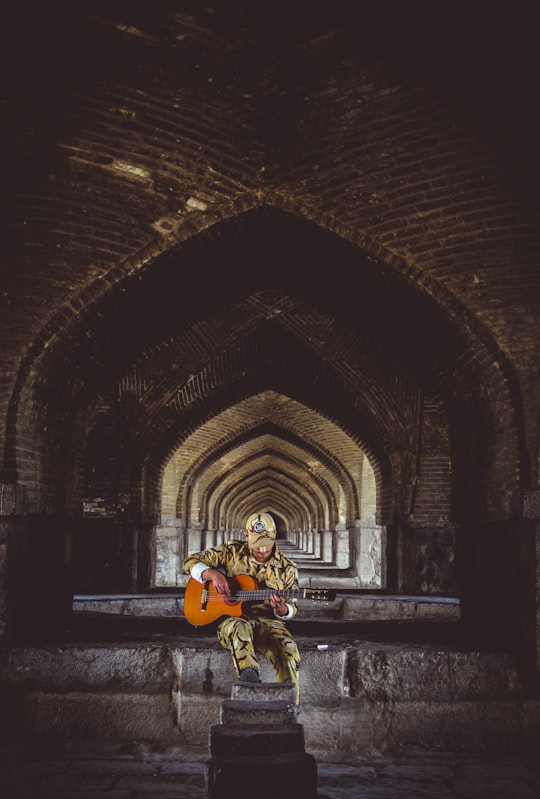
279 605
218 580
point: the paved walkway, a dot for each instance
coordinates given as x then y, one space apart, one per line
144 775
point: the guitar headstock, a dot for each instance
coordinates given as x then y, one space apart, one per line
321 595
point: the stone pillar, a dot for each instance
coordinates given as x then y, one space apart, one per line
259 746
500 586
327 549
169 552
35 582
531 511
370 562
537 592
12 505
343 556
194 540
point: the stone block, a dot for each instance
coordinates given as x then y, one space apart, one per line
203 669
389 672
488 724
278 776
264 691
72 667
53 719
276 714
232 741
321 675
322 728
347 728
195 715
481 676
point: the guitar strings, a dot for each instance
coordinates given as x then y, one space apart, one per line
214 597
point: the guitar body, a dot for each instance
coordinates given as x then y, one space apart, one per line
203 605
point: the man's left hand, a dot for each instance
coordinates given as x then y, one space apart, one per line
278 604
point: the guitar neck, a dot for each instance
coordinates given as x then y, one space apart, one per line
265 593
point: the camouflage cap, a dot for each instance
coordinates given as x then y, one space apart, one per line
261 530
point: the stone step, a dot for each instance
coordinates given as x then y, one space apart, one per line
277 776
264 691
232 741
278 713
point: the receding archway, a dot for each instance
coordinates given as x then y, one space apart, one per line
314 483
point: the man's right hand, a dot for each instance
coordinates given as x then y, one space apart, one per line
218 580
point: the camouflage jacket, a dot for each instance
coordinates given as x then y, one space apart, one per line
235 557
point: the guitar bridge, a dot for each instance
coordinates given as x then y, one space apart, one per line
204 598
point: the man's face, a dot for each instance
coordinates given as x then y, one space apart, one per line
262 554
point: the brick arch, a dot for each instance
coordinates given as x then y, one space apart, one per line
217 497
258 344
273 430
190 424
185 426
68 372
271 444
265 487
281 526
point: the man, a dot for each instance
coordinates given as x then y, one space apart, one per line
262 626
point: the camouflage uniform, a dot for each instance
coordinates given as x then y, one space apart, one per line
258 630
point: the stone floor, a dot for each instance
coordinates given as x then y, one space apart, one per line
142 774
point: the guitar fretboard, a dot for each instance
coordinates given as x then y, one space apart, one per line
253 594
266 593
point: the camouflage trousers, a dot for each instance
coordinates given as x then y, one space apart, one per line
245 637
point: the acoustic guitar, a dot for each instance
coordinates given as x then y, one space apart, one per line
203 605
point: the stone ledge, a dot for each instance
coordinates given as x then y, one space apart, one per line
348 606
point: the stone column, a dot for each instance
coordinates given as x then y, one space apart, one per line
35 582
327 549
12 502
343 557
531 510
